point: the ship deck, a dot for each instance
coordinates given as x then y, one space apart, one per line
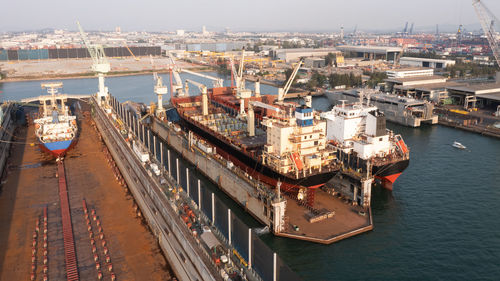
345 223
30 184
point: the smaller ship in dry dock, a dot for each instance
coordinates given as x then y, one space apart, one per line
359 132
56 130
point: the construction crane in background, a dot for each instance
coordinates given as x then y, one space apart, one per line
488 21
283 91
459 34
100 64
130 51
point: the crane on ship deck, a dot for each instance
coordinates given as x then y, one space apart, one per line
177 86
283 91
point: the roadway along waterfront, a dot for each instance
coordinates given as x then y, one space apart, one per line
440 222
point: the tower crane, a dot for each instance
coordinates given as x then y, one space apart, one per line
100 64
159 90
283 91
488 21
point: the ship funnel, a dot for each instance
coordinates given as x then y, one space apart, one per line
250 121
257 88
204 101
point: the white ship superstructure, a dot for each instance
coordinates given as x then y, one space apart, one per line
56 130
297 143
402 110
360 132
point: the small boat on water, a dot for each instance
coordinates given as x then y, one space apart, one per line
56 130
458 145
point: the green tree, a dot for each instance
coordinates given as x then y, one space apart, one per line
330 59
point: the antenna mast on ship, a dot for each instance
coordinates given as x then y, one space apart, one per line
52 89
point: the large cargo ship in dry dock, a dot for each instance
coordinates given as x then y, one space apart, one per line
291 152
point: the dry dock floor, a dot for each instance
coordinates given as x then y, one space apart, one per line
30 184
345 223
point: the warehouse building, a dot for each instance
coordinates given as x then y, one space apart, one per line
373 52
291 55
425 62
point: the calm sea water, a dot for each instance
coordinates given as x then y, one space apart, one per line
441 222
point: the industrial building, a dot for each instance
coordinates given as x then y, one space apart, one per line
485 95
426 62
290 55
373 52
314 62
423 87
409 72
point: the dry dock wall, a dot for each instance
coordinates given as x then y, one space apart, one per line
237 188
6 130
177 244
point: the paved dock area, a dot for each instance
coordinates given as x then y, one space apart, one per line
31 183
346 222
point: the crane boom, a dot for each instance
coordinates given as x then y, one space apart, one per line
217 81
234 74
178 81
488 20
283 91
101 65
264 105
96 52
200 86
242 62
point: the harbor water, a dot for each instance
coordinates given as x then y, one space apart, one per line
440 222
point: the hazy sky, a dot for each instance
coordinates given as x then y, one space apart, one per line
259 15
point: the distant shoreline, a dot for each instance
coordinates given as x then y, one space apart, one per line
89 75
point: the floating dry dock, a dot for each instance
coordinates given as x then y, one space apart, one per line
284 216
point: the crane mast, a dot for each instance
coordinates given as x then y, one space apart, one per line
488 20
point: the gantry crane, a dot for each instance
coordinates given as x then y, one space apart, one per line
488 21
100 64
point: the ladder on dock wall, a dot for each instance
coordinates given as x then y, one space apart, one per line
69 240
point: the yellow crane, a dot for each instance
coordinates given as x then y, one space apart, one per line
130 51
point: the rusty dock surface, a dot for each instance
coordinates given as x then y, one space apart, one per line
30 184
